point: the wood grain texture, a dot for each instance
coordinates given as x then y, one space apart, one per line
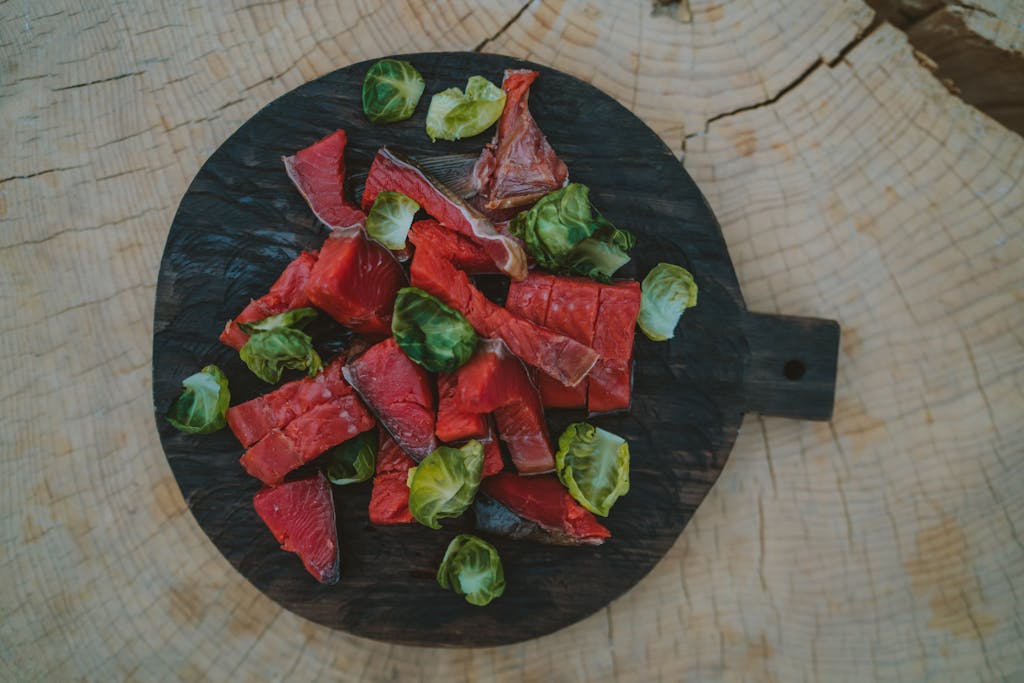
882 545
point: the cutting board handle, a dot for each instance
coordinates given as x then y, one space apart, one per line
792 365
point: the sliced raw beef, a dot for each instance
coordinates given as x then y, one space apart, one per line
356 281
288 293
610 382
563 358
319 173
496 381
399 393
572 310
389 501
453 423
518 167
397 173
464 254
540 500
253 420
306 437
300 514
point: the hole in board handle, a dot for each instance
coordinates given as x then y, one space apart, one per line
794 369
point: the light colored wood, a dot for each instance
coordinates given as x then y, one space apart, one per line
885 544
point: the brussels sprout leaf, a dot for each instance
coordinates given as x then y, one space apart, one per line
295 318
269 352
445 483
432 334
202 404
594 465
353 461
453 114
667 291
390 218
391 91
471 567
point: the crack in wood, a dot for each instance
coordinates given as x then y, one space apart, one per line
515 17
100 80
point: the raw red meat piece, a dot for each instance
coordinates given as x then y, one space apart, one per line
397 173
464 254
563 358
300 514
319 173
252 420
572 310
288 293
454 424
546 502
493 462
306 437
389 501
518 167
356 281
496 381
399 392
610 381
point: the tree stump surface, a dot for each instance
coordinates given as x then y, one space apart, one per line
850 184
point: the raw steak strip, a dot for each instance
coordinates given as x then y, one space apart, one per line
319 174
399 393
463 253
356 281
610 382
286 294
397 173
544 501
300 514
389 501
306 437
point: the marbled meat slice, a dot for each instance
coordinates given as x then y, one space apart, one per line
397 173
286 294
300 514
541 500
463 253
610 382
518 167
319 174
252 420
389 501
563 358
398 391
355 281
306 437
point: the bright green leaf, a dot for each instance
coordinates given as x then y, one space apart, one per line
269 352
390 218
453 115
594 465
295 318
432 334
667 291
391 91
564 233
445 483
353 461
203 403
471 567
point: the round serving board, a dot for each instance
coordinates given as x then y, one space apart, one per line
241 221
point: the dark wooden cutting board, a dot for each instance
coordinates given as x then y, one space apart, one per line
241 221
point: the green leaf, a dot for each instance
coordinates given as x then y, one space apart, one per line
564 233
269 352
666 292
353 461
432 334
453 114
445 483
594 465
203 403
390 218
391 91
471 567
295 318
